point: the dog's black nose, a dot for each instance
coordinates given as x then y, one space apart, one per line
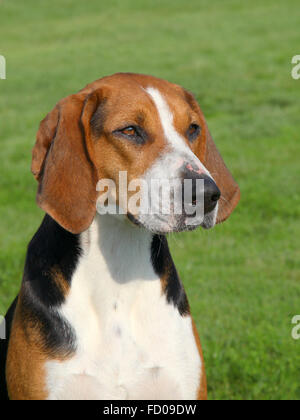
211 193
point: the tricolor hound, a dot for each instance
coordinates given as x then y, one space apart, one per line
102 313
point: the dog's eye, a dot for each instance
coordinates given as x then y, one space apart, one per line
193 132
132 132
129 131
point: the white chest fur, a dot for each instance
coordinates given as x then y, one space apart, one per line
131 344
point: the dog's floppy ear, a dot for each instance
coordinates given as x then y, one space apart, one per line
211 158
62 163
230 192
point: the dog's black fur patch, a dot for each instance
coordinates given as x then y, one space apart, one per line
52 248
164 266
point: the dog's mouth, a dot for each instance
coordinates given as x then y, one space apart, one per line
160 224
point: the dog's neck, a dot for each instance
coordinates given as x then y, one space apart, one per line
114 243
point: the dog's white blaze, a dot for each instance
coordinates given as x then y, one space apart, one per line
131 344
174 139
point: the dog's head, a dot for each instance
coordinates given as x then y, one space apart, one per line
144 127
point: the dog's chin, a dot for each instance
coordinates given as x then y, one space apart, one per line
210 220
176 224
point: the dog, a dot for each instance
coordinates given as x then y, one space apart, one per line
102 313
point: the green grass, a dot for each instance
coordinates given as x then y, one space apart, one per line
242 278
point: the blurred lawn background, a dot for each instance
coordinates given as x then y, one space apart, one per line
242 278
